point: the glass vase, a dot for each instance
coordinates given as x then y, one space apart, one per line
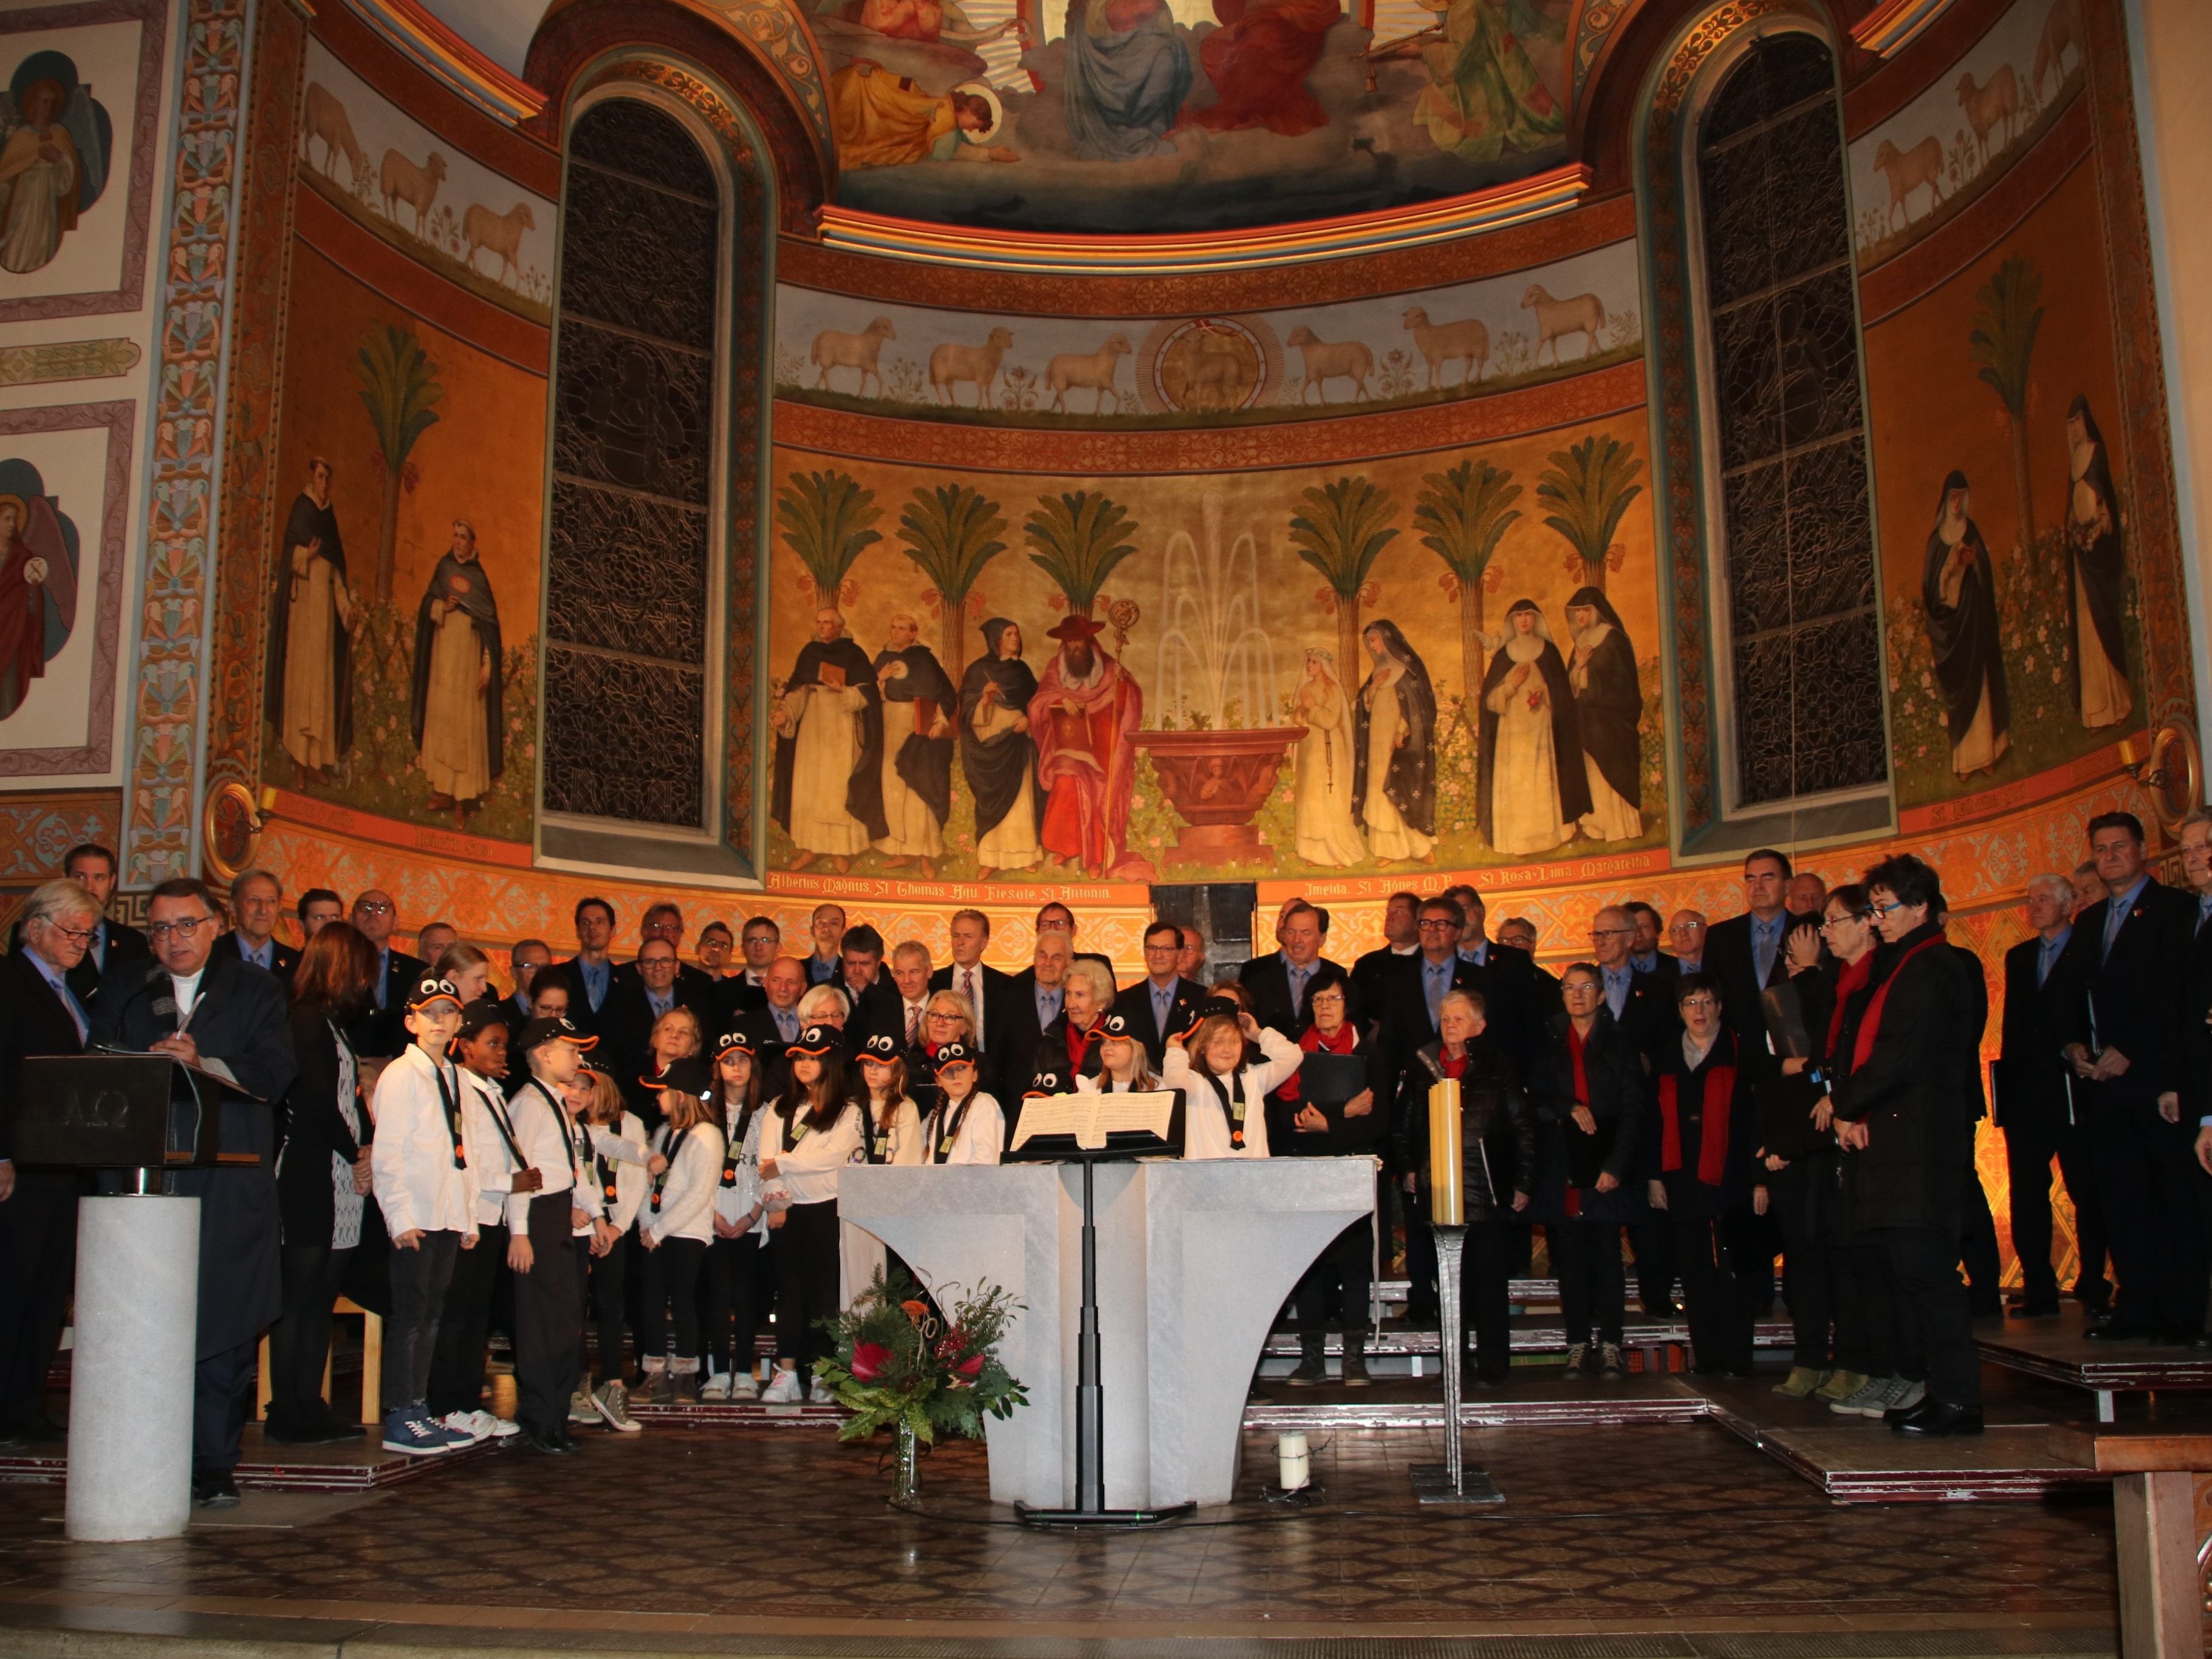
905 1469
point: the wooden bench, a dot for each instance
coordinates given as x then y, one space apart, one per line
2155 1520
372 1366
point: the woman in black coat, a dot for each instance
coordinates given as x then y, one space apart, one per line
1590 1109
322 1179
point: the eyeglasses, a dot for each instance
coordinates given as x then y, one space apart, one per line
1826 922
1700 1002
1163 949
75 935
183 928
1440 925
1881 909
1611 932
372 907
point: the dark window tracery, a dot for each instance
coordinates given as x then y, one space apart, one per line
634 427
1789 429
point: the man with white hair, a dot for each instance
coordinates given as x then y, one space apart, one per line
40 1014
2036 1107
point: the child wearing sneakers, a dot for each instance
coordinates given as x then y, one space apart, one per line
738 1288
457 1368
618 1169
673 1229
420 1174
548 1293
814 1131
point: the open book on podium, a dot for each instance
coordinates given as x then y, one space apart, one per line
1088 1127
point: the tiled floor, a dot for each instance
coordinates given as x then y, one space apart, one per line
1664 1528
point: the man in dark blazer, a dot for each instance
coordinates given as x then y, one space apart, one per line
1374 971
869 991
664 920
1749 953
2034 1105
2121 1032
1163 1002
256 900
1277 982
762 943
40 1014
381 1032
114 943
206 1005
632 1009
989 992
1038 995
1641 1004
774 1025
590 973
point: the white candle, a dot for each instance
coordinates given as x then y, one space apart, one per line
1294 1467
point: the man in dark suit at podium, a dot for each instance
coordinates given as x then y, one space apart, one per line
257 899
40 1014
212 1009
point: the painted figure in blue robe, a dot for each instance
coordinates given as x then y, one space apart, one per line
1127 75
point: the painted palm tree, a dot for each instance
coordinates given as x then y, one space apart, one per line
1340 531
1589 486
400 390
1460 514
2008 315
1077 540
826 520
951 532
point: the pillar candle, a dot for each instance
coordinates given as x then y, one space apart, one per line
1447 1180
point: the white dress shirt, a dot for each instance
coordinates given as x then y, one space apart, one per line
1205 1125
418 1185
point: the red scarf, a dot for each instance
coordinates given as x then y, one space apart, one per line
1871 1026
1078 1048
1345 1040
1713 1134
1847 985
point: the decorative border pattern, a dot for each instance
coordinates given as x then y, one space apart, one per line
752 414
145 121
246 526
1570 402
36 828
119 421
180 548
780 33
443 55
1671 329
2168 673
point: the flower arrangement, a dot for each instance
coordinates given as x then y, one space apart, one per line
899 1365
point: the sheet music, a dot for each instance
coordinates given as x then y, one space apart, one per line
1090 1118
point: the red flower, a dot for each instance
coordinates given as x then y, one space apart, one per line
869 1359
971 1368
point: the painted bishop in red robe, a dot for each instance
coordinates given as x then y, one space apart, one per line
1258 61
1085 719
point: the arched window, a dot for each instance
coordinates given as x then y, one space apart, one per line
1785 469
633 580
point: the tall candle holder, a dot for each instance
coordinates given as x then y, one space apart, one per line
1451 1482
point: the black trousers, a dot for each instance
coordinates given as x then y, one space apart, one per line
2033 1143
419 1277
457 1363
1720 1302
671 1275
1931 1300
740 1278
806 1282
1752 1242
549 1318
223 1396
1864 1339
1420 1259
37 1272
1485 1270
608 1278
1593 1280
1978 1247
1654 1241
2146 1175
300 1340
1343 1271
1796 1196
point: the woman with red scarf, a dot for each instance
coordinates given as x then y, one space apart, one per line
1590 1112
1328 1110
1903 1117
1070 1044
1699 1134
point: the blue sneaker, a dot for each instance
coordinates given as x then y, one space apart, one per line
414 1433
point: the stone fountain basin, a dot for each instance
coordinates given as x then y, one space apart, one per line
1218 777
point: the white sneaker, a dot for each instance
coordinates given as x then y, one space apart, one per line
475 1424
819 1395
716 1387
745 1386
498 1428
785 1390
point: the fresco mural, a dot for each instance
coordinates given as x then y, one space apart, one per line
1166 115
390 684
1445 660
1392 350
415 191
2014 624
1925 165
